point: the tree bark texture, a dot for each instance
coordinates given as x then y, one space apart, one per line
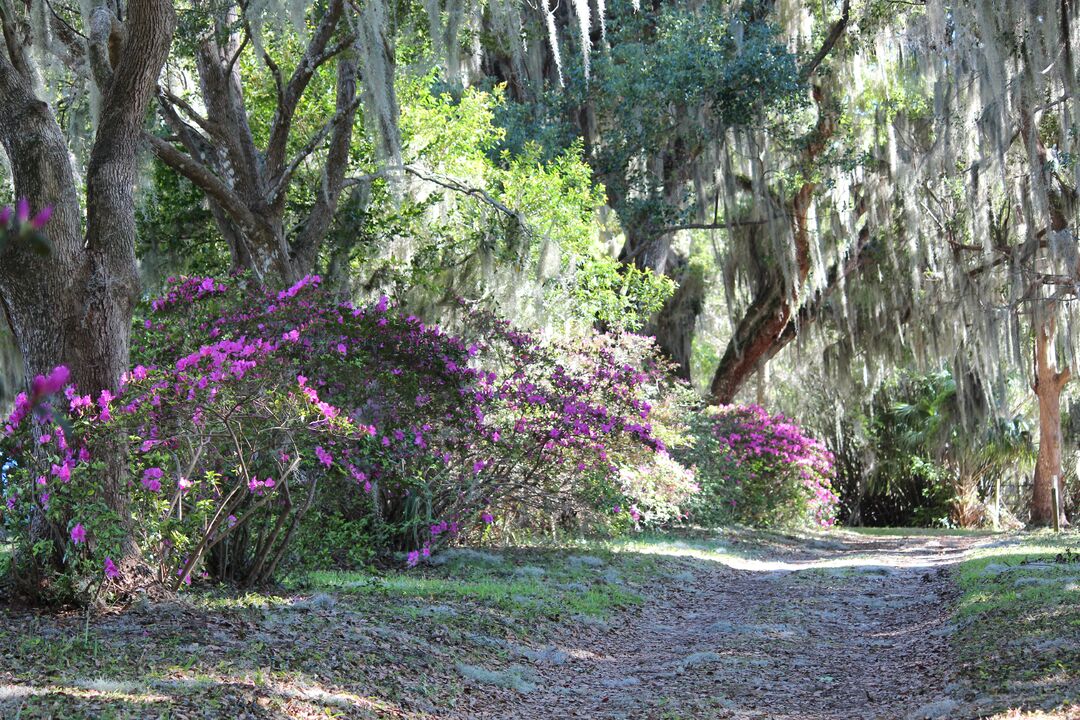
246 185
1048 385
74 306
776 302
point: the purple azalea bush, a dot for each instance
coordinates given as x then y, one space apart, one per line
249 412
759 469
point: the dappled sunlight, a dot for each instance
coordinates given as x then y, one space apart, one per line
1067 713
97 690
857 553
757 619
299 698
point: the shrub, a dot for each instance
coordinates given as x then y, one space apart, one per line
759 469
249 410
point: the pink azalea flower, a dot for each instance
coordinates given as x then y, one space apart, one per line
151 478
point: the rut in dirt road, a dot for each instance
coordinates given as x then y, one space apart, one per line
852 630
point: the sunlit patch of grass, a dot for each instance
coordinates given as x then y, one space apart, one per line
245 601
515 595
918 532
1064 713
713 550
1018 621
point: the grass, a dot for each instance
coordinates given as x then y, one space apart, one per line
401 643
564 586
1018 621
414 643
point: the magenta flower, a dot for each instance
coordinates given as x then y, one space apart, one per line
111 571
78 534
151 478
414 558
52 383
43 216
324 457
22 211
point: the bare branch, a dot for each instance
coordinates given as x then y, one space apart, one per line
240 49
202 177
344 114
16 49
289 95
166 96
107 36
337 161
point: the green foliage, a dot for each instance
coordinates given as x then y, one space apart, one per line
673 82
487 220
931 467
330 539
176 231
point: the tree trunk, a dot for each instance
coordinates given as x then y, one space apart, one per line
757 335
74 306
245 185
677 320
1049 383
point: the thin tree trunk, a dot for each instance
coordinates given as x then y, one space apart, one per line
1049 383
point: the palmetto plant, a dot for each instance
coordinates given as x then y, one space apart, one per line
931 448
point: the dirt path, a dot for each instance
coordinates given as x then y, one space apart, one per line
849 630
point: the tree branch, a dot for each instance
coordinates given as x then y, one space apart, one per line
835 33
202 177
16 49
107 34
346 113
289 95
322 212
166 96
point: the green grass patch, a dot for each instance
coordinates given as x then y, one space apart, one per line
521 596
1018 620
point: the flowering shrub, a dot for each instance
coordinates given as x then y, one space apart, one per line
247 409
759 469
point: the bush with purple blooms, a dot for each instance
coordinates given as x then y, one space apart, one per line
759 469
249 413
